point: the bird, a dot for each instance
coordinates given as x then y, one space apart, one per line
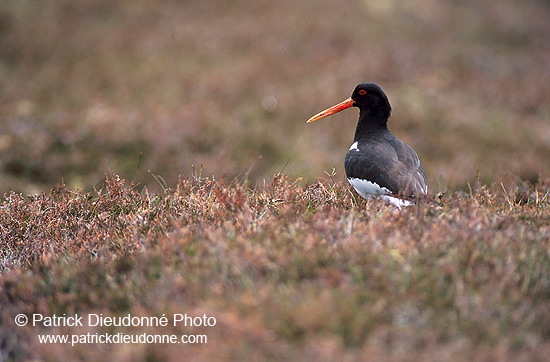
378 164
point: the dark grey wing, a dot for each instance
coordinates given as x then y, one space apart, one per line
365 164
409 171
389 163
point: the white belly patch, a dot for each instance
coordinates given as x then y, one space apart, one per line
369 190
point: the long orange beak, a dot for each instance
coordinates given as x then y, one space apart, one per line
334 109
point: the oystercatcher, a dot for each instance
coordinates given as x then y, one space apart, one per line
378 164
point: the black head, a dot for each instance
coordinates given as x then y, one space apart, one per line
374 107
371 100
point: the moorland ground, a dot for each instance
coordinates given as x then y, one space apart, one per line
138 86
289 272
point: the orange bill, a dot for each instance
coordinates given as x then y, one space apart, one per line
334 109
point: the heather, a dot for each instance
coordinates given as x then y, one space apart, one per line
289 270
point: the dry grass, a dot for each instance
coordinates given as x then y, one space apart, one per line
289 271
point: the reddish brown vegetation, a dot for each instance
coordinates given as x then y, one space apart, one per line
288 271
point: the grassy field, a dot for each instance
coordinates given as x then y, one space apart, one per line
135 86
288 271
156 162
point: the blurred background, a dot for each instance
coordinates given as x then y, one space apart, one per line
161 88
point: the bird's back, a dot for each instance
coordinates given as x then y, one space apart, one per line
381 158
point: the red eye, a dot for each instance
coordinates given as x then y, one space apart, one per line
362 92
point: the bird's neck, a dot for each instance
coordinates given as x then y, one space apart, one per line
370 122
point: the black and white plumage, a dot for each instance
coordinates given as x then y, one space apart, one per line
378 164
